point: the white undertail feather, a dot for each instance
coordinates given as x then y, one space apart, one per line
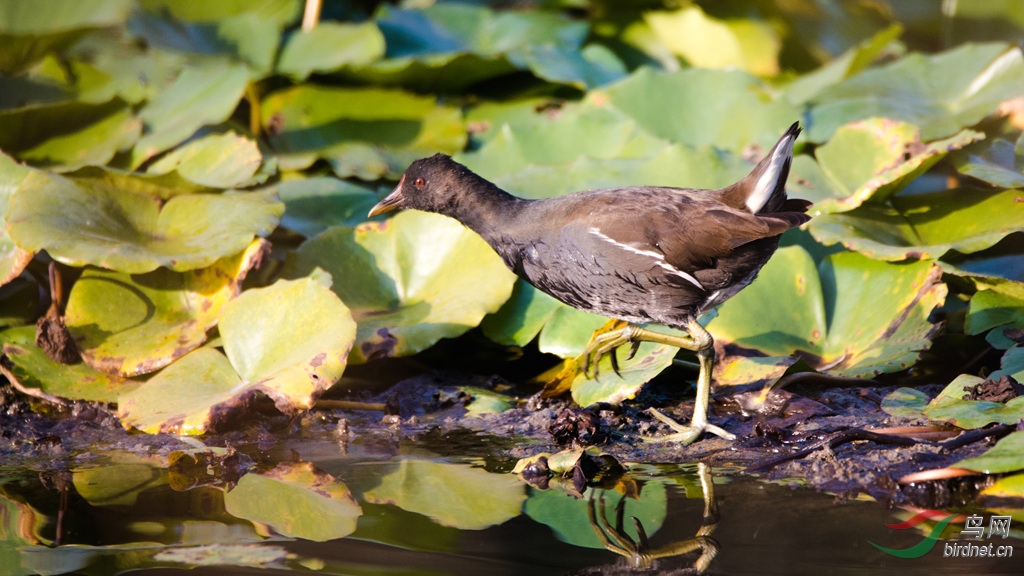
770 178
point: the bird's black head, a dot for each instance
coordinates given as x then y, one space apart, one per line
431 184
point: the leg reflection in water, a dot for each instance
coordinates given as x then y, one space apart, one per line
639 554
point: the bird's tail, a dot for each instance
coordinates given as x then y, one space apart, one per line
763 191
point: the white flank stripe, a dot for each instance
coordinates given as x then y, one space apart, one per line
766 183
659 258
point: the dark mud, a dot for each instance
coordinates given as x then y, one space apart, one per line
430 409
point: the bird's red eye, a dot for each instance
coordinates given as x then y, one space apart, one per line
419 182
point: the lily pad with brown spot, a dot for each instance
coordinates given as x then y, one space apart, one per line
131 324
850 316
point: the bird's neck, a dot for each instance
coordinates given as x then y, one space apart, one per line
485 209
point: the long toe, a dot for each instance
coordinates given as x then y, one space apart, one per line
685 434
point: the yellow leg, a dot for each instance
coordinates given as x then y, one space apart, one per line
699 341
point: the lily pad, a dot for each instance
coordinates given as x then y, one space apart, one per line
650 360
455 495
29 29
362 132
215 161
82 222
448 47
1006 456
941 93
131 325
409 281
728 109
949 406
925 225
297 500
993 311
203 94
288 341
33 373
1011 364
850 316
707 42
13 258
999 164
95 144
872 159
563 330
330 46
1006 487
312 205
905 403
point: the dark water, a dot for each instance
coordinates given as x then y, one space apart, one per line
363 510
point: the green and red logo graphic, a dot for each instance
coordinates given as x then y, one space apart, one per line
924 546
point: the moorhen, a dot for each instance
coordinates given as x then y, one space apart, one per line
637 253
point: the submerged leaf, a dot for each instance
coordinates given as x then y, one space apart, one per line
409 281
81 222
296 500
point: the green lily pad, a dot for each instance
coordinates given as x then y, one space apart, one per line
1011 364
873 159
849 63
29 29
949 406
455 495
330 46
484 401
280 12
203 94
650 360
999 164
33 373
130 325
362 132
448 47
707 42
313 205
297 500
215 161
850 316
905 403
1006 456
1007 487
563 330
567 516
728 109
941 93
1002 264
926 225
95 144
288 341
409 281
117 484
993 311
13 258
80 222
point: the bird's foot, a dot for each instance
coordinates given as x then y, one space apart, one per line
685 434
606 341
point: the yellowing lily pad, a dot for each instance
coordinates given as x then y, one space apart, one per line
851 316
409 281
134 324
81 222
296 499
1006 456
456 495
216 161
872 159
707 42
33 373
949 406
289 341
